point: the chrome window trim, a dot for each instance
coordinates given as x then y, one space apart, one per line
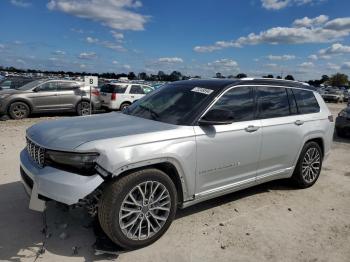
228 89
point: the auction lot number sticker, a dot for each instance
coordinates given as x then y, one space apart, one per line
202 90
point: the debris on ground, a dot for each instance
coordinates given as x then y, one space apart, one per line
221 224
223 246
289 209
236 210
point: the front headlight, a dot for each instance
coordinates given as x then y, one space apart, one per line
81 163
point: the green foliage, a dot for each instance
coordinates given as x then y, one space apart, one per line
338 79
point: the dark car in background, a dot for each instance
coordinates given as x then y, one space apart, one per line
14 82
48 96
342 123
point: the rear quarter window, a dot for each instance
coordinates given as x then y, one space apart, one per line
119 89
306 101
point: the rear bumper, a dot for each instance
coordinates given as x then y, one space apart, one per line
54 184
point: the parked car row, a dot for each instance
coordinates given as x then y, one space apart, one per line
47 95
334 94
118 96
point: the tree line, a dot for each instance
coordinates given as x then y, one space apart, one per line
337 79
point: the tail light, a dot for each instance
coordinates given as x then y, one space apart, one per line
95 92
330 118
114 96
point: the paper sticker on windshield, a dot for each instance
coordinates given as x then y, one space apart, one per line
202 90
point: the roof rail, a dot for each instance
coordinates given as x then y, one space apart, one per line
273 79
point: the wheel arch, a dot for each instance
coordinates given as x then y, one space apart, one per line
319 141
167 165
83 100
22 100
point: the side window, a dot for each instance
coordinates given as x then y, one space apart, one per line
49 86
6 84
136 89
306 101
272 102
119 89
292 102
239 100
106 89
66 86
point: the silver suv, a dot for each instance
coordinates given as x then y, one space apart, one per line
48 96
184 143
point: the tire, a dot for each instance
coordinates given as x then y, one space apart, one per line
306 174
83 108
19 110
117 222
124 105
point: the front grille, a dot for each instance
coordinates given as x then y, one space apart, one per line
36 152
26 178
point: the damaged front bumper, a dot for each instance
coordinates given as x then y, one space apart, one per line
48 183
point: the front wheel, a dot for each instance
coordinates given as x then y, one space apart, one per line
137 209
309 165
19 110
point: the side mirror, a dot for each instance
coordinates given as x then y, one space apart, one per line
217 117
37 89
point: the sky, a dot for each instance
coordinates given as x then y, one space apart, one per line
304 38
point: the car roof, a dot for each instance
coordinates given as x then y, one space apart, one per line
221 84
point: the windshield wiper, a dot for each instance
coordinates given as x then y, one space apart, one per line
153 113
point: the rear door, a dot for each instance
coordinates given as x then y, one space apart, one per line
69 94
45 97
282 134
136 92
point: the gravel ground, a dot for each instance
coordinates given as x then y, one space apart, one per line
270 222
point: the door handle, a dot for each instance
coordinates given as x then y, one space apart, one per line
299 122
251 129
132 96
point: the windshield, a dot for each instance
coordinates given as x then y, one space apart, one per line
173 104
30 85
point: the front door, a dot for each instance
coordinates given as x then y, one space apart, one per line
228 155
45 97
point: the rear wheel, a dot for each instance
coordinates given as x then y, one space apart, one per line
124 105
19 110
83 108
137 209
309 165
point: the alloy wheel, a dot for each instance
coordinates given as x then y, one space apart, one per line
311 164
144 210
19 110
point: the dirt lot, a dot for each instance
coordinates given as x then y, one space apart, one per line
271 222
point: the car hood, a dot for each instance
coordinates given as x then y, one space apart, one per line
9 91
69 133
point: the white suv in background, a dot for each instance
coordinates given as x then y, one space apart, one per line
117 96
